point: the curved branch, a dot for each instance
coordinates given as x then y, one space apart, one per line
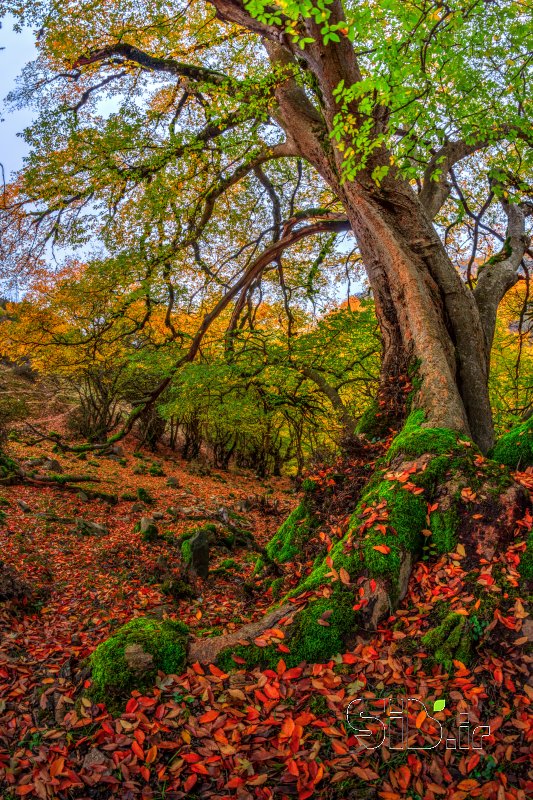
129 52
500 273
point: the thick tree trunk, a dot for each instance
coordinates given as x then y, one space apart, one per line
435 320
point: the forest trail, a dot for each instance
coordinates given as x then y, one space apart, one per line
205 733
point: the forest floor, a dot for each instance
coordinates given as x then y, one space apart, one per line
249 734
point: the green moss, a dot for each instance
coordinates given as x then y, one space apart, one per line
164 641
414 440
186 552
309 640
374 422
252 655
156 471
444 526
314 642
318 705
293 533
276 587
515 448
8 467
129 497
450 641
259 566
144 496
149 534
526 562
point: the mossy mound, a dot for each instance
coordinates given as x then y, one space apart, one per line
515 448
144 496
450 641
374 423
299 526
416 440
131 658
9 469
319 631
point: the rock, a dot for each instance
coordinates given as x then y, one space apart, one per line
24 506
117 450
137 508
137 659
173 511
95 758
83 497
33 463
173 482
52 465
199 550
158 515
148 529
90 528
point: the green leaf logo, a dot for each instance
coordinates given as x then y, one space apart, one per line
438 705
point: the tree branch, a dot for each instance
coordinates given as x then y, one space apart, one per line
500 273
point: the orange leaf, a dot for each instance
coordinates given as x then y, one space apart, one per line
382 548
57 766
151 755
137 750
404 777
209 716
344 575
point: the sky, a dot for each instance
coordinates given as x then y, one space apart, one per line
18 49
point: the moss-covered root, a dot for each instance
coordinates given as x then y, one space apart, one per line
131 658
515 448
290 538
450 641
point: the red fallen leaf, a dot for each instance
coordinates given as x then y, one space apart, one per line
137 749
239 660
145 772
190 758
190 782
295 672
271 691
139 735
132 705
235 782
26 789
382 548
282 647
292 767
373 585
216 671
209 716
349 658
404 777
151 755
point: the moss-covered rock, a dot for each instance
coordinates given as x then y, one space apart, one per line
515 448
144 496
131 658
450 641
288 540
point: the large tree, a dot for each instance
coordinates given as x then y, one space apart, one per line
404 122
